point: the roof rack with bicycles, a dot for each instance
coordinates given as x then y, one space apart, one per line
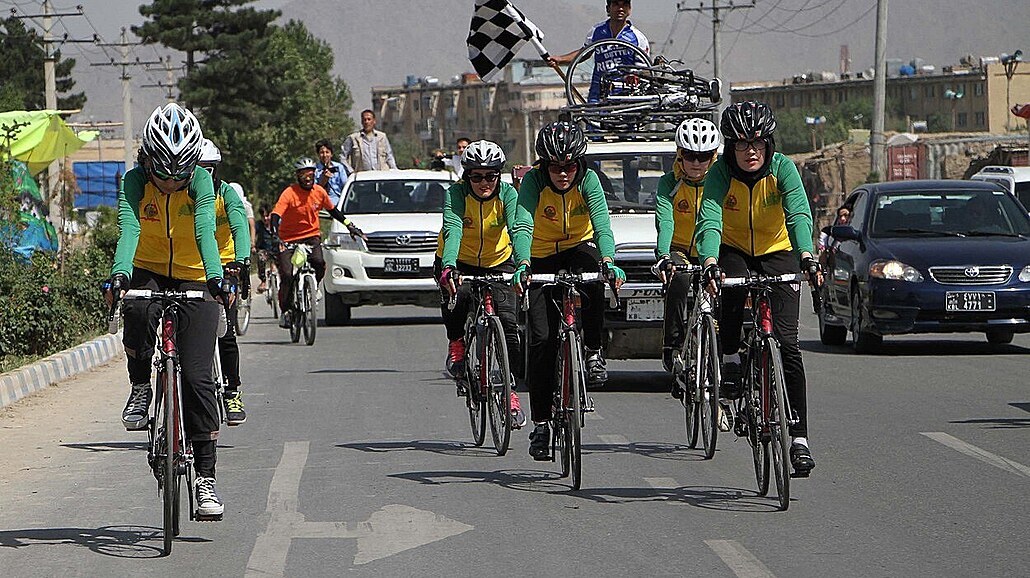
643 101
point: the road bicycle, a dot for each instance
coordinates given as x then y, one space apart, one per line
302 312
696 367
763 413
169 452
571 403
272 283
488 381
244 301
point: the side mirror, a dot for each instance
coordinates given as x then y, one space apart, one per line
845 233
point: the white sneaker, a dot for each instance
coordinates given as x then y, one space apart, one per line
208 503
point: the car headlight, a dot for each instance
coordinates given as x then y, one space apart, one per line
345 241
1024 275
895 270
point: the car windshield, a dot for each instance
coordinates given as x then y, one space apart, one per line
394 196
630 180
949 213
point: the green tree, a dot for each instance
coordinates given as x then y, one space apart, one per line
21 70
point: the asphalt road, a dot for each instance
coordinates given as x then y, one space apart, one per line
357 461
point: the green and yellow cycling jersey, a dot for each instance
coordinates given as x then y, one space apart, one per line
475 230
232 227
676 202
769 216
171 235
548 222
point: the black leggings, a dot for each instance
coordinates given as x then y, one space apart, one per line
544 322
785 300
195 341
229 350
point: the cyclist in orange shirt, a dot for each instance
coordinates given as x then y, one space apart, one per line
295 220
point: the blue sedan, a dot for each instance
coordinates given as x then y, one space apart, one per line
927 257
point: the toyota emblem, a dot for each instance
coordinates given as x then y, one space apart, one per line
405 240
972 271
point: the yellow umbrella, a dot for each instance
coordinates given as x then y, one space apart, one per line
41 137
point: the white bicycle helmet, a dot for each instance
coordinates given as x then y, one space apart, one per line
172 140
698 135
304 163
482 154
209 153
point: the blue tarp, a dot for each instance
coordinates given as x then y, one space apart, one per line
98 181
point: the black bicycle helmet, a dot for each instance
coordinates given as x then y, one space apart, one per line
560 142
748 120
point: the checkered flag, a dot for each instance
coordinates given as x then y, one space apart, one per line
497 32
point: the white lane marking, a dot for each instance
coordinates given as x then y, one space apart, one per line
662 483
743 563
391 530
595 416
614 439
978 453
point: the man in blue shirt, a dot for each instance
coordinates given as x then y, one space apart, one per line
331 175
617 26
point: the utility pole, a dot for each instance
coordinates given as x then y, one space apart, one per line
124 45
877 145
169 85
50 95
717 10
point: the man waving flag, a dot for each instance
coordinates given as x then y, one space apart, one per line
497 32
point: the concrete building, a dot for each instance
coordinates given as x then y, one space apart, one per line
509 112
919 92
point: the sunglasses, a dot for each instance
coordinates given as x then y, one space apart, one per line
567 168
743 145
489 177
695 157
167 177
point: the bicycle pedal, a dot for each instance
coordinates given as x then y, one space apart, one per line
796 474
589 407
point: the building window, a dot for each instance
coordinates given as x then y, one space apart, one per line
795 100
912 94
840 96
981 119
827 99
961 119
978 89
779 101
471 101
929 91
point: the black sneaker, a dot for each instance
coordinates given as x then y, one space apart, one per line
284 320
135 416
801 460
540 442
667 353
731 380
597 373
234 412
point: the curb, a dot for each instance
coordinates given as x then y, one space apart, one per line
34 377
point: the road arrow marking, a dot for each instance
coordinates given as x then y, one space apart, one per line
393 529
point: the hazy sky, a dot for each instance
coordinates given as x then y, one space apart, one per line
378 42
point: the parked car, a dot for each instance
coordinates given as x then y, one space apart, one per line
1015 180
400 212
928 257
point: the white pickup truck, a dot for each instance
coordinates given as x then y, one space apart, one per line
629 172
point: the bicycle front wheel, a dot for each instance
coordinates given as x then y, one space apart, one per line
169 493
243 316
708 385
772 375
474 397
753 414
688 378
310 318
272 295
574 410
499 379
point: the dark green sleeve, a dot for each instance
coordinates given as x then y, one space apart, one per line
453 223
238 222
510 200
708 231
529 196
593 194
129 196
203 191
796 210
663 221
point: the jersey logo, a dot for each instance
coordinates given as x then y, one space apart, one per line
186 210
550 213
150 212
466 223
730 202
579 210
683 206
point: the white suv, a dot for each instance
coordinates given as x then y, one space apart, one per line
1015 180
400 212
629 172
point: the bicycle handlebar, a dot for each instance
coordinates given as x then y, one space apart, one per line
753 280
490 278
544 278
150 294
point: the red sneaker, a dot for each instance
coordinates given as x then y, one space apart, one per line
456 357
518 417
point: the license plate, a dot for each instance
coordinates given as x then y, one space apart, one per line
394 265
969 301
645 310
